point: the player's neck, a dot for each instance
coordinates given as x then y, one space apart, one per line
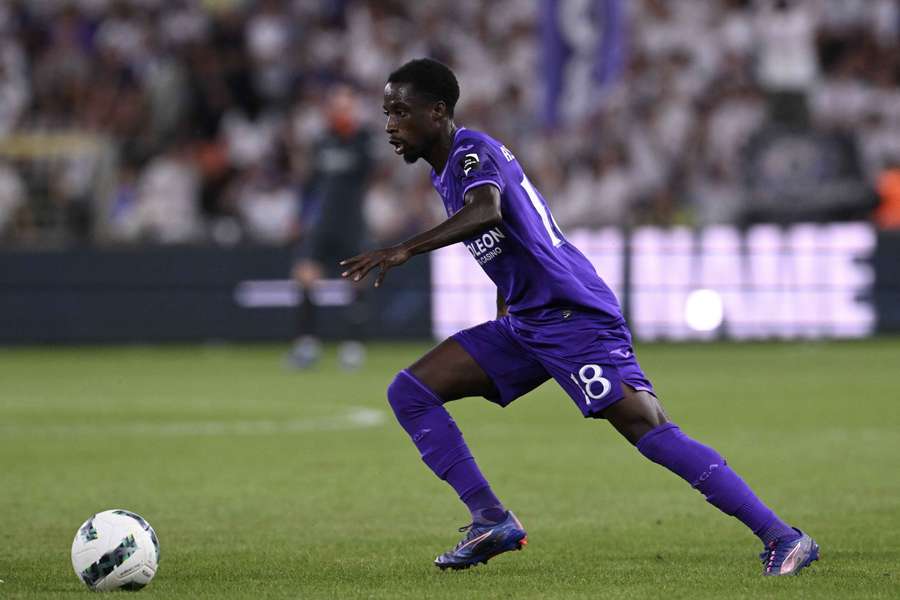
440 152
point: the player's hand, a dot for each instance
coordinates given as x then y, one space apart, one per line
385 259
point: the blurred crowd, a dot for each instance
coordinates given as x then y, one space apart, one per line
182 121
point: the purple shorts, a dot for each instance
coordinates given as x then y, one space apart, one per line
589 358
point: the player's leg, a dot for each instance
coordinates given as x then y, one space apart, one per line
636 414
354 330
417 396
639 417
596 365
307 347
480 361
451 372
457 368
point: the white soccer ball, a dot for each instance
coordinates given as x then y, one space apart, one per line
115 549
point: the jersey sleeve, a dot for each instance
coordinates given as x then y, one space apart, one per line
474 166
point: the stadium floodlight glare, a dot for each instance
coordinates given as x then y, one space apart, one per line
703 310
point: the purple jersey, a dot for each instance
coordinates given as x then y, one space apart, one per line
535 268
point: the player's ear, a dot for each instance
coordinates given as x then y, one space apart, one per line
439 110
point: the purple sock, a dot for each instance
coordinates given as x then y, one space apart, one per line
707 472
481 501
440 442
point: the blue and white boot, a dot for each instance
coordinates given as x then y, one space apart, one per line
789 556
483 542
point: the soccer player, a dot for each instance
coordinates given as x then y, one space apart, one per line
556 318
340 178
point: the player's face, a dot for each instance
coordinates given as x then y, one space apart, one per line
412 123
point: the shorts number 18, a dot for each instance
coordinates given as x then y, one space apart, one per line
589 376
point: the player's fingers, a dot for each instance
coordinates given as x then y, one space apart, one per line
360 271
349 262
353 265
381 274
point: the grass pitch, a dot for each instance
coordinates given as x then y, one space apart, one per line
266 483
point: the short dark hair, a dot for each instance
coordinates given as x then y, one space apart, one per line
430 78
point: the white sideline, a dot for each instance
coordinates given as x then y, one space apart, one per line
356 418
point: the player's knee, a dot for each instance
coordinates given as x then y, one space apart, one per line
408 397
395 393
638 413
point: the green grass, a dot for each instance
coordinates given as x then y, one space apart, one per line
259 487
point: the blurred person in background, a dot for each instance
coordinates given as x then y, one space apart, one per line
887 216
393 212
164 207
267 205
15 88
597 192
787 63
12 199
341 165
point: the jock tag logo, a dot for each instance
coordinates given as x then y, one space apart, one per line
469 162
487 247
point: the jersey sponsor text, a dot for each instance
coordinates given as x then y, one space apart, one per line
487 247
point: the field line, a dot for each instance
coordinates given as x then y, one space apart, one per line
355 418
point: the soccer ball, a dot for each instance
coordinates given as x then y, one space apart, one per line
115 549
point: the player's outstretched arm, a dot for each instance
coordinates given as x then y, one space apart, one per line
481 211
